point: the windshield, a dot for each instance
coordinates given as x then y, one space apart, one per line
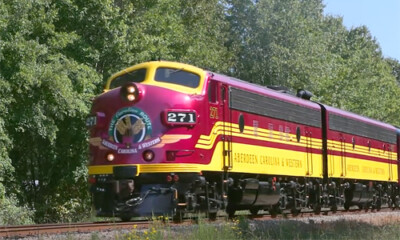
177 76
134 76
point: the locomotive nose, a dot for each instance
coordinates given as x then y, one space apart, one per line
130 92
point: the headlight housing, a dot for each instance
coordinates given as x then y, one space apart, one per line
130 92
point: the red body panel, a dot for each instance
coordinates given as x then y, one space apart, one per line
153 102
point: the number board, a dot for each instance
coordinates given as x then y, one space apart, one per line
91 121
180 117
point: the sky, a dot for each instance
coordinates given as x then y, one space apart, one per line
382 18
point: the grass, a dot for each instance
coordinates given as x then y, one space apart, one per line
243 228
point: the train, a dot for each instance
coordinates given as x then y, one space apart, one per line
172 139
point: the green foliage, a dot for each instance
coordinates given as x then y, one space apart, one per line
363 83
243 228
395 65
292 44
162 229
54 56
11 213
48 100
111 35
179 30
342 229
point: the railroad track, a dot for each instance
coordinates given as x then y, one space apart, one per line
327 215
49 229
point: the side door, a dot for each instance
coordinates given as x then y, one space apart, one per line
390 158
309 149
398 155
227 126
220 120
343 156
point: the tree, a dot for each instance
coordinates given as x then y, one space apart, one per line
395 65
55 56
292 44
188 31
11 211
111 35
49 98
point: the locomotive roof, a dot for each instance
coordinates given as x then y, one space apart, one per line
357 117
264 90
231 81
296 100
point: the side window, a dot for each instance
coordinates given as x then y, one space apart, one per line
212 91
223 93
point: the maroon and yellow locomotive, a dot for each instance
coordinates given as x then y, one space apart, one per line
168 138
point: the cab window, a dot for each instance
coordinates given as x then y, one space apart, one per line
177 76
134 76
212 92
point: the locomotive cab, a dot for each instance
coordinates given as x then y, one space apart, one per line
141 136
174 76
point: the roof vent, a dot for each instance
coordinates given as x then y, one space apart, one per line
304 94
279 89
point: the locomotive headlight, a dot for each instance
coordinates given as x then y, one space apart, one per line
130 89
110 157
130 97
148 155
130 92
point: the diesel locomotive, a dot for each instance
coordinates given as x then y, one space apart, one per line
168 138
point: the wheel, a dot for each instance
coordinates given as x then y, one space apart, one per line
295 211
367 207
346 206
396 202
212 216
274 210
125 218
254 211
334 208
378 205
230 211
178 217
317 209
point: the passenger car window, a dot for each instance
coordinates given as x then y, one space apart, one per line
134 76
177 76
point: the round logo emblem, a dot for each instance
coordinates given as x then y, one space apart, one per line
130 125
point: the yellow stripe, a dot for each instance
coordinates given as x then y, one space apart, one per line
208 141
161 168
358 149
102 169
149 168
263 160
